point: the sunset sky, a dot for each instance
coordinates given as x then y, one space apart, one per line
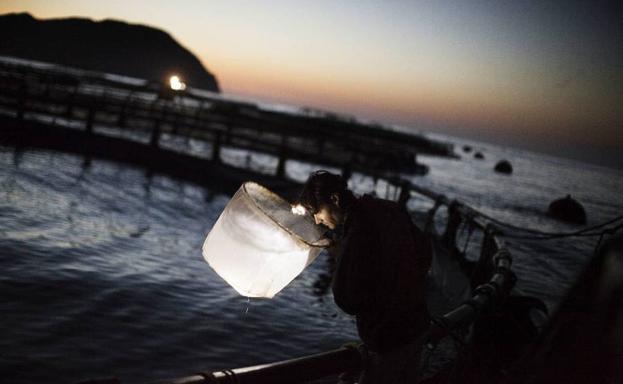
539 75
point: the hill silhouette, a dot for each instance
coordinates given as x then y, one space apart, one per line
108 46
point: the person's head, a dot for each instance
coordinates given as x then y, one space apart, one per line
327 198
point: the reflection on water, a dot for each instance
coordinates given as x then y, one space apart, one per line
103 275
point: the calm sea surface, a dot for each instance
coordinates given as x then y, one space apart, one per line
102 273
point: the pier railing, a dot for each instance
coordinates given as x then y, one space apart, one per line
151 113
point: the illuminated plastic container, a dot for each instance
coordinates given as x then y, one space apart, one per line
258 245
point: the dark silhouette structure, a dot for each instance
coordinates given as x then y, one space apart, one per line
108 46
582 342
567 209
504 166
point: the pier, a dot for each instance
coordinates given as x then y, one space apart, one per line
154 122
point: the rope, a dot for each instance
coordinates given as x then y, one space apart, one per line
586 232
543 235
534 234
601 237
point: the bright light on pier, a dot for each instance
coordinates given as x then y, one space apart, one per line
176 83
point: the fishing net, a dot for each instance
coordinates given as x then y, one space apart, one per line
258 245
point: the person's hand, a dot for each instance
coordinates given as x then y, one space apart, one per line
324 243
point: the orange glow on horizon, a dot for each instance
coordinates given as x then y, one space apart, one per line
397 63
404 105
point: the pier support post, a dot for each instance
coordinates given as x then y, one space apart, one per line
90 120
405 193
347 173
121 119
69 110
155 135
21 102
281 165
320 147
216 148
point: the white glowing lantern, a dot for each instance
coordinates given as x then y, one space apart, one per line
259 244
176 83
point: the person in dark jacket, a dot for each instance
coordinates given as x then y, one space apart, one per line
382 262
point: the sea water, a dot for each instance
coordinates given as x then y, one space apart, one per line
102 272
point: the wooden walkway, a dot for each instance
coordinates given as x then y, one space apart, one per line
156 117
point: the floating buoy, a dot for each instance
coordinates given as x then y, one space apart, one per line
567 209
504 166
479 156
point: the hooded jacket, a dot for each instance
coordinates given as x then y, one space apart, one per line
382 262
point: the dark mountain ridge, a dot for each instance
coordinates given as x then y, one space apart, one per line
107 46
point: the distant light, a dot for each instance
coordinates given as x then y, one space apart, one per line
299 210
176 83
